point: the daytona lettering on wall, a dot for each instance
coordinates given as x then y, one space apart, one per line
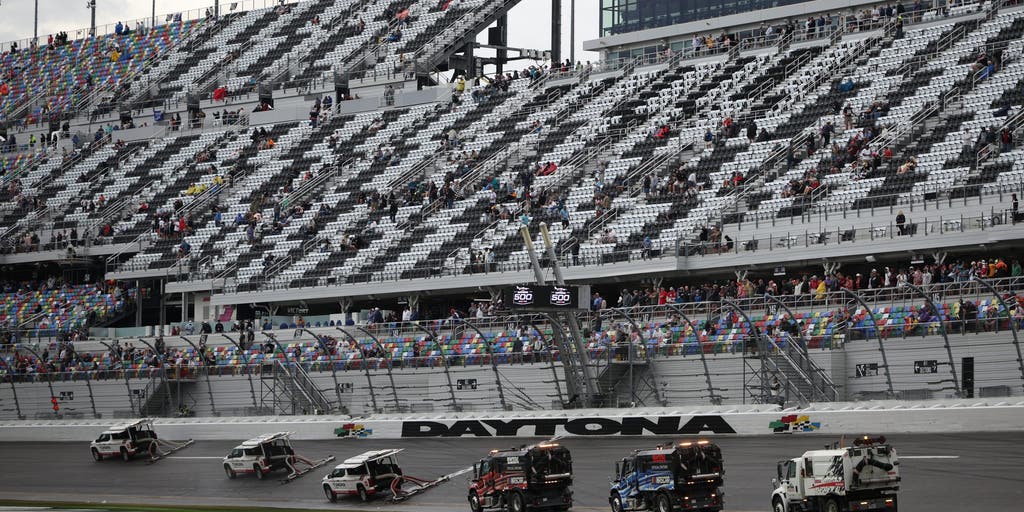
591 426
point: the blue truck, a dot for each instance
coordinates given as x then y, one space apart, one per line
683 476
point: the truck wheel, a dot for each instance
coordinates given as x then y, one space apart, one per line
474 502
333 498
259 471
662 503
616 502
230 472
516 503
831 505
778 505
96 455
125 456
363 495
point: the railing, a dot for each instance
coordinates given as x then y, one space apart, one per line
1012 123
112 263
763 88
635 176
597 223
457 28
795 354
316 183
891 134
8 237
305 385
826 237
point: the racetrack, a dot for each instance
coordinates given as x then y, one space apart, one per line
987 473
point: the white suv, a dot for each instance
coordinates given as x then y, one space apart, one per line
364 475
126 440
260 456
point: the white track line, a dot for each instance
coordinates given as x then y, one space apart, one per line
185 457
929 456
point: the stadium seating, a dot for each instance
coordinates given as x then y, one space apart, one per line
56 78
819 328
60 308
596 126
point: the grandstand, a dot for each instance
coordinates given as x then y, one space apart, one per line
312 200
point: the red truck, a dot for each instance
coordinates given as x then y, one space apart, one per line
521 479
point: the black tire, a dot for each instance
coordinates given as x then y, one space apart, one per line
125 456
230 472
331 497
363 495
96 455
778 505
616 503
662 503
259 471
474 502
895 504
831 505
516 503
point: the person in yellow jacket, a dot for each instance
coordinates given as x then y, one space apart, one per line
820 292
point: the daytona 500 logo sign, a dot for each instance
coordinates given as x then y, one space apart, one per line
591 426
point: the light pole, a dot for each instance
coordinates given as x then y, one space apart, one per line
91 5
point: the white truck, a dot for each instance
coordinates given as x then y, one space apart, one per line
126 440
364 475
864 476
269 452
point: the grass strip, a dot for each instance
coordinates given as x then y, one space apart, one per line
58 505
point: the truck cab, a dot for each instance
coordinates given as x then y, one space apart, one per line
685 476
364 475
522 479
125 440
260 455
861 477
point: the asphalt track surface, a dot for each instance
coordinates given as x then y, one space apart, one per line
968 472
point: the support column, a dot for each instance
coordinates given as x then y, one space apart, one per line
138 303
556 32
163 307
572 31
444 361
1013 322
248 373
942 329
390 367
878 334
502 55
366 371
91 5
345 304
494 362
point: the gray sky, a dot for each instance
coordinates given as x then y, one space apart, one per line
528 22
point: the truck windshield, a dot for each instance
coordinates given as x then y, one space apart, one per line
236 453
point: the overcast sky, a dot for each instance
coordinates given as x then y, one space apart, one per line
529 21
